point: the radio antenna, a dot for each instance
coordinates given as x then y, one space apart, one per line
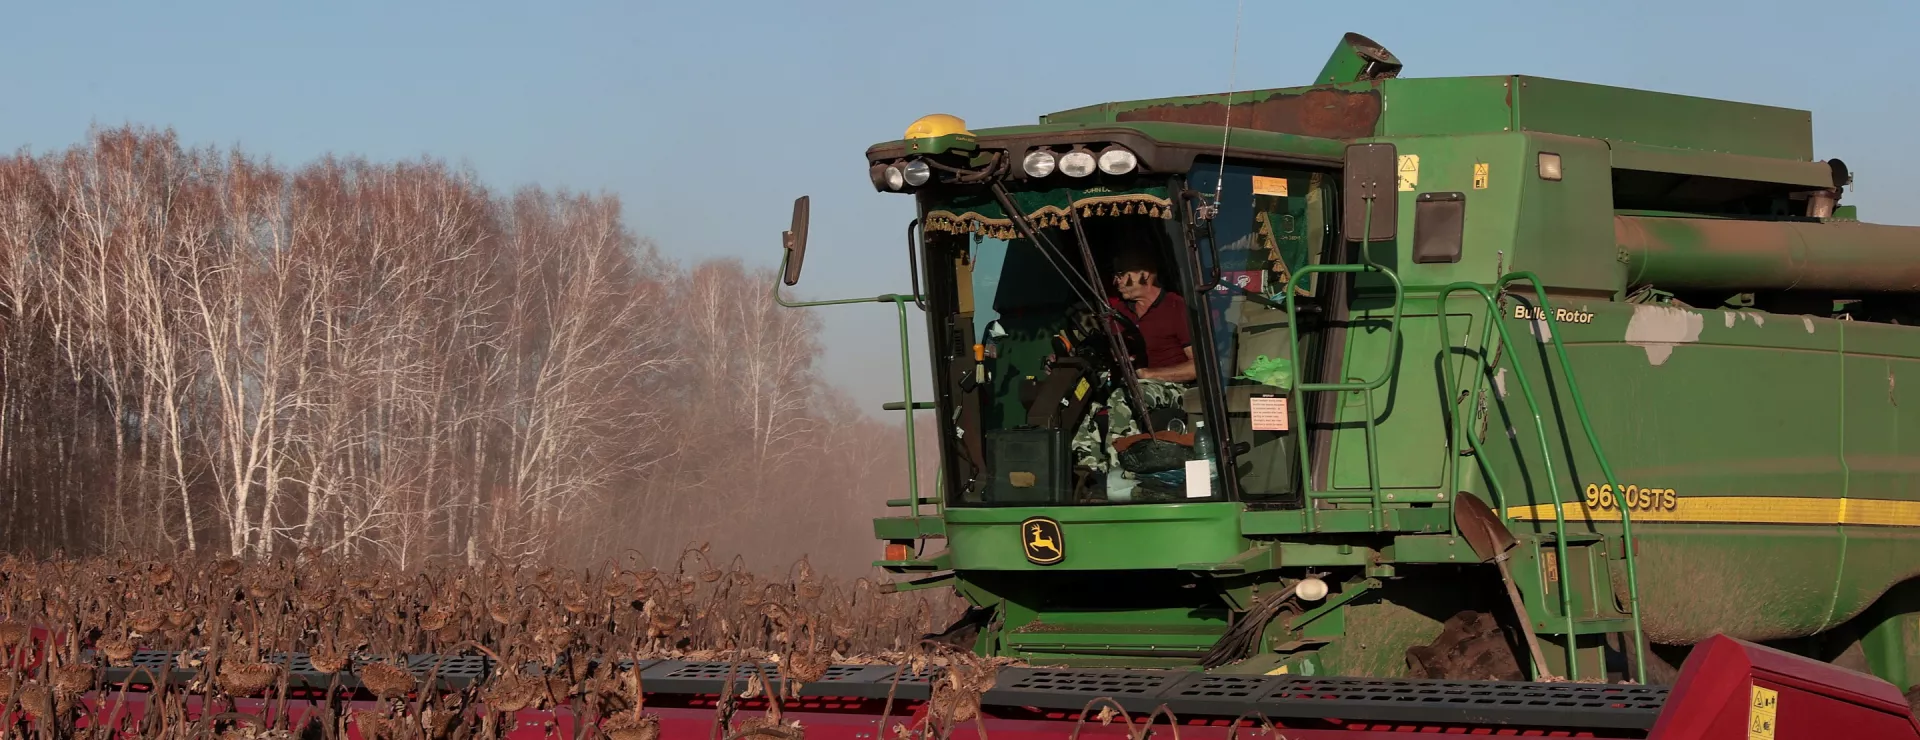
1233 69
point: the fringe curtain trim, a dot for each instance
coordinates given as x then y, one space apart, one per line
1050 216
1278 264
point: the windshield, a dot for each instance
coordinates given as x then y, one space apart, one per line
1038 341
1034 382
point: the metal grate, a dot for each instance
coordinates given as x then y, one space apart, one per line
1587 705
1188 694
1136 691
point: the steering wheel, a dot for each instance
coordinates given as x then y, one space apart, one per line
1090 339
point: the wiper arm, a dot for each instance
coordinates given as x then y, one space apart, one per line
1116 346
1110 321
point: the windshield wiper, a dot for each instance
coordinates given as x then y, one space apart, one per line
1116 345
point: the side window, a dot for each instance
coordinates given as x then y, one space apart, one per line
1271 222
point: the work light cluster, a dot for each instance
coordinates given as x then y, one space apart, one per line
1040 162
1078 162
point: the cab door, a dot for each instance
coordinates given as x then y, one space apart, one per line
1268 223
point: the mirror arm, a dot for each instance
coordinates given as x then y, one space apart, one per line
782 300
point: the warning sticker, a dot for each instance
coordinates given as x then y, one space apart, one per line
1269 413
1766 702
1409 172
1480 172
1269 185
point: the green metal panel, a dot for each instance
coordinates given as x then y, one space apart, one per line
1564 230
1138 537
1645 117
1445 106
1408 412
1630 156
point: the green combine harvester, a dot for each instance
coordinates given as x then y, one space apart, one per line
1490 378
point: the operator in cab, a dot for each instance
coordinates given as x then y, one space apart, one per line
1161 315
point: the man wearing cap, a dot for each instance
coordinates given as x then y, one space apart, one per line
1160 314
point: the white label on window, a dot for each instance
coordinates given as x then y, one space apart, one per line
1199 478
1269 413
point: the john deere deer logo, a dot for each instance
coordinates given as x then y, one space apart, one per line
1041 539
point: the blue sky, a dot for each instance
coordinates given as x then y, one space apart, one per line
708 118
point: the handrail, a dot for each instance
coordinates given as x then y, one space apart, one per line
1606 470
1539 429
1295 413
1461 433
908 406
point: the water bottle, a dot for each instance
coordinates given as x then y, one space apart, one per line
1203 449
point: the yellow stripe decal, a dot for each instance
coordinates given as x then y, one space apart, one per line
1748 510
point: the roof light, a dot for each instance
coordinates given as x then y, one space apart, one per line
1549 166
1077 163
895 178
1310 589
1039 163
917 172
1116 160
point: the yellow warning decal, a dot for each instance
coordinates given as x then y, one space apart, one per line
1409 172
1737 510
1281 671
1480 172
1766 703
1080 391
1269 186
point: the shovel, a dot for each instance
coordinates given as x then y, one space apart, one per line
1491 541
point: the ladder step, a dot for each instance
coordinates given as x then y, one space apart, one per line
1585 626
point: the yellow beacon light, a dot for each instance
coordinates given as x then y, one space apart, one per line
937 133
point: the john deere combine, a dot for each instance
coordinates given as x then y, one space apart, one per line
1495 377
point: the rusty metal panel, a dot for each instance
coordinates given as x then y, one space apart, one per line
1332 113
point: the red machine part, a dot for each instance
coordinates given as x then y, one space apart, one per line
1735 690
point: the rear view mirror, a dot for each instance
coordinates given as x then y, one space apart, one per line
1372 175
795 241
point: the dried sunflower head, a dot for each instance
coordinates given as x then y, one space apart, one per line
36 700
73 679
247 679
435 619
509 693
118 649
327 659
629 727
385 680
13 633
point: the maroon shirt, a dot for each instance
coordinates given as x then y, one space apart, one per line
1164 327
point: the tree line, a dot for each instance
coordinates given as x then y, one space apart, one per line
204 351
